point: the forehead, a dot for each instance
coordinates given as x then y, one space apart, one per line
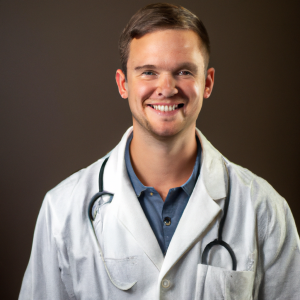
166 47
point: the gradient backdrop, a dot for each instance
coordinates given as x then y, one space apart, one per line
61 111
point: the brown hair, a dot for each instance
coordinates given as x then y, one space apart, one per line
161 16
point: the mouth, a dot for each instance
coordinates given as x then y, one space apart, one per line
165 108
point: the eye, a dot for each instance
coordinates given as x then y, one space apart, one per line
184 73
148 73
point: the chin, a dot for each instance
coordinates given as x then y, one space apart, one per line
164 131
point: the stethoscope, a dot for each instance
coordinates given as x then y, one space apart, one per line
101 193
204 258
219 240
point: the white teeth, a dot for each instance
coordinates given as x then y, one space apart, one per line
165 107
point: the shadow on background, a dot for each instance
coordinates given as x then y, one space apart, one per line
60 109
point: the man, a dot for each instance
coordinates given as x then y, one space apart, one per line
168 193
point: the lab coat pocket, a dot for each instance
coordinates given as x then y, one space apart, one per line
239 285
216 283
123 271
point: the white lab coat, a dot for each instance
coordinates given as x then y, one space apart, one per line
65 262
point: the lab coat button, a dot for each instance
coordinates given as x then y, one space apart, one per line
165 283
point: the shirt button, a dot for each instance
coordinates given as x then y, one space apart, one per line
151 194
165 283
167 221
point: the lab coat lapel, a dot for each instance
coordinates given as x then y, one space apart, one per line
201 210
126 206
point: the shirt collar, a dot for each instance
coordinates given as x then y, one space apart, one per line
136 183
139 187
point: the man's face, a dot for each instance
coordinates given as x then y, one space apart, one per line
165 81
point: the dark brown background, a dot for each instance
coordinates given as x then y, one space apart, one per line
60 109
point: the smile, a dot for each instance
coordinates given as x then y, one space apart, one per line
166 107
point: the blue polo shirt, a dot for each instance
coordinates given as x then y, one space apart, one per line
163 217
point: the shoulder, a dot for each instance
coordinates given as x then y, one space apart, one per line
272 212
74 192
261 189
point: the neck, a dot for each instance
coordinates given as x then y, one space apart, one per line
163 163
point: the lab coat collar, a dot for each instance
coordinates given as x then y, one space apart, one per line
213 169
198 215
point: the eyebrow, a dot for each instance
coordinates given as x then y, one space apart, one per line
145 67
189 66
186 65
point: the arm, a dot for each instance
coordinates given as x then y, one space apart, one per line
42 279
278 271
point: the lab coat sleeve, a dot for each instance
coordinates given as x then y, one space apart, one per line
278 275
42 279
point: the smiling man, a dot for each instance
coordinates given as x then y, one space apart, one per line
165 85
172 218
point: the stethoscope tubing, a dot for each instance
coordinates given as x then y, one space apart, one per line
204 258
101 193
219 240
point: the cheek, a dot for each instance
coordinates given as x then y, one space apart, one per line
196 90
142 90
193 92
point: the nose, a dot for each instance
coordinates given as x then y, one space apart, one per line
166 87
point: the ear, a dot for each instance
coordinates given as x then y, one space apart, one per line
121 83
209 82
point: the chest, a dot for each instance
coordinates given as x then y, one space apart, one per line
127 264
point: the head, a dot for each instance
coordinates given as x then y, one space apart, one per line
164 53
161 16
